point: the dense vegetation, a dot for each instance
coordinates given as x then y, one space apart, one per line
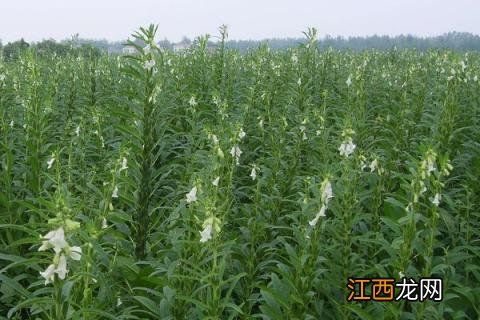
458 41
218 185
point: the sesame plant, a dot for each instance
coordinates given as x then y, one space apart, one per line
212 184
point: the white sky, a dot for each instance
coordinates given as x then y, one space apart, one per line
247 19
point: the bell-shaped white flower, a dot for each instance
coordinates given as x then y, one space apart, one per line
363 164
49 274
216 181
206 233
124 164
115 192
253 173
320 214
373 165
436 199
54 239
192 102
61 268
294 58
77 131
50 162
74 252
192 195
241 134
236 153
104 223
148 65
349 81
327 192
214 139
347 147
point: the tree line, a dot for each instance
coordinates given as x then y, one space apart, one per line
459 41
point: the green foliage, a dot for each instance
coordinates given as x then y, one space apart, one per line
198 180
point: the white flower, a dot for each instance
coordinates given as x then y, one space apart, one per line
436 199
299 81
124 164
74 252
216 181
302 130
50 162
12 123
192 102
363 165
320 213
423 188
401 274
77 131
54 239
241 134
61 268
347 147
115 192
409 207
49 274
349 81
104 223
216 100
294 59
148 65
430 166
373 165
236 153
214 139
119 302
192 195
327 192
253 173
475 78
206 233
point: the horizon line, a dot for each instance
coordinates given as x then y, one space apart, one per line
212 37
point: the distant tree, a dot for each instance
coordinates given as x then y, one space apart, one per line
186 40
12 50
165 44
47 47
459 41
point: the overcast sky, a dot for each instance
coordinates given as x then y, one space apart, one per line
247 19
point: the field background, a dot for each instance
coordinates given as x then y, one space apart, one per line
142 256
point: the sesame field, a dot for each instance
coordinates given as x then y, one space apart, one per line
212 184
